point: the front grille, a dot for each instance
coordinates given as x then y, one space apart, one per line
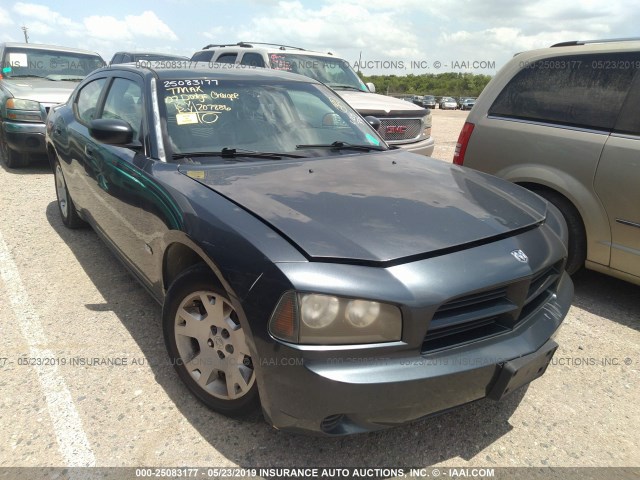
469 318
541 287
489 312
412 129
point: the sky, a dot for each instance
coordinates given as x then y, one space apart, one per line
386 37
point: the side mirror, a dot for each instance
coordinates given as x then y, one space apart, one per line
111 131
373 121
371 87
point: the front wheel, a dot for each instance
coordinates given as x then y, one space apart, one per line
10 157
66 207
207 345
577 237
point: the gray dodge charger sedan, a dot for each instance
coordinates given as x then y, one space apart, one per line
304 266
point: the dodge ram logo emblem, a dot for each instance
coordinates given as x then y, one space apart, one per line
396 129
520 256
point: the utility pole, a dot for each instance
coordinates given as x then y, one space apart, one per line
26 36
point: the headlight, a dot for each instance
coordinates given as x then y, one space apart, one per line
23 110
318 311
426 125
318 319
362 313
22 104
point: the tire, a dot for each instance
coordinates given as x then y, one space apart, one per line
66 207
10 157
207 346
577 236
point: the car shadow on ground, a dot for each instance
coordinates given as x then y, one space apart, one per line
251 443
608 297
36 165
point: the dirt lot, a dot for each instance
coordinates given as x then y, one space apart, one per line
446 128
64 296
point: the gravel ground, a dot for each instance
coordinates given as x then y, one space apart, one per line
445 130
63 295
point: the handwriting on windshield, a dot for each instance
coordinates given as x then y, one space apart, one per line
353 118
194 105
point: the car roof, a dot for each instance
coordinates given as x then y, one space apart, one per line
211 70
578 47
137 52
266 47
42 46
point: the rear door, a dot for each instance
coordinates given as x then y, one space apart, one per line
617 183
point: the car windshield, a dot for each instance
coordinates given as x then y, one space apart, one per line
206 115
51 64
335 72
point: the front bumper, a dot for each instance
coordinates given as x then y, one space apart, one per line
423 147
25 137
346 394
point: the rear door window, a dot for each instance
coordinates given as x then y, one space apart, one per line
578 90
252 59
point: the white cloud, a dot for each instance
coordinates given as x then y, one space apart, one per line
335 26
215 33
41 21
5 17
145 25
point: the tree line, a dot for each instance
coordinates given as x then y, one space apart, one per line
440 84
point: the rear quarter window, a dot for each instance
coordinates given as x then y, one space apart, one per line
629 120
578 90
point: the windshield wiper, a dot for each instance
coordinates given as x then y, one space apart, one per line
27 76
343 146
238 152
69 78
339 85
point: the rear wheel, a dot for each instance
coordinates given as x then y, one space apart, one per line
66 207
207 345
577 236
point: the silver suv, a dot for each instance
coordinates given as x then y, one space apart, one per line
563 122
33 79
402 124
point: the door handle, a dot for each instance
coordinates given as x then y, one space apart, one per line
88 151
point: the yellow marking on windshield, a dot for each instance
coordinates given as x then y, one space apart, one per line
187 118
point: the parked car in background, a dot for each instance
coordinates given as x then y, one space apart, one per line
402 125
448 103
293 250
563 122
429 101
467 104
126 57
417 100
34 77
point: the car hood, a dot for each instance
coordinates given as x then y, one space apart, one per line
40 90
375 208
367 103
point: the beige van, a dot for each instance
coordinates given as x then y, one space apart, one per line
563 121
